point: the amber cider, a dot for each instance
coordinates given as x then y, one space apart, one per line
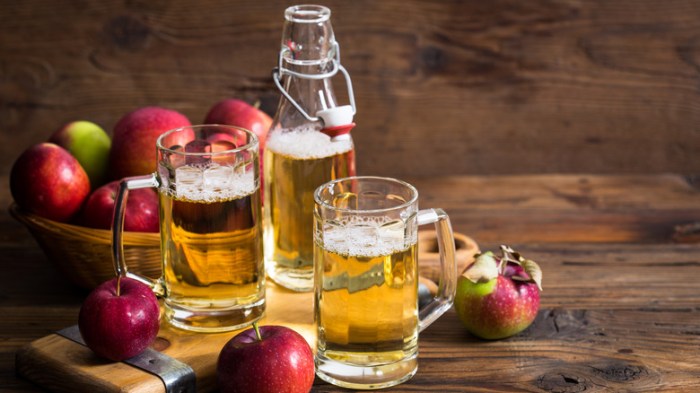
212 253
366 307
297 162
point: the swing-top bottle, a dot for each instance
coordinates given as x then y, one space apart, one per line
308 143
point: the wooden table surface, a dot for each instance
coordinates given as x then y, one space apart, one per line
620 309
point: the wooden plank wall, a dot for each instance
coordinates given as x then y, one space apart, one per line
456 87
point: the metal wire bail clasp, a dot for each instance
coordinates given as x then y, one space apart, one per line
280 71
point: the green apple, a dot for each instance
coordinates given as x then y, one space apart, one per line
89 144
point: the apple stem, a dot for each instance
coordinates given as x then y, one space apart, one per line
257 331
502 266
508 255
119 282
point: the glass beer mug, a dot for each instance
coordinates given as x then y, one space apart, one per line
208 184
366 280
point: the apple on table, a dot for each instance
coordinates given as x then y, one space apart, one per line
498 297
266 359
119 318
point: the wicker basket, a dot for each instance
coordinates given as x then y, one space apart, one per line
84 255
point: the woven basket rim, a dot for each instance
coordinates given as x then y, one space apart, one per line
76 232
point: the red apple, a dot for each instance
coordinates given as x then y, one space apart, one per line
271 359
134 138
141 213
89 144
235 112
47 180
119 319
498 297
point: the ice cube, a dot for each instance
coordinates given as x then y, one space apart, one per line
245 161
174 158
188 180
198 146
223 158
222 145
217 177
392 232
189 175
363 235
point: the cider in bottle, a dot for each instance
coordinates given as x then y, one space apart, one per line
308 143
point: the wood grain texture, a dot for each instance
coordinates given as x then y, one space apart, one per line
450 87
601 328
564 208
61 365
619 315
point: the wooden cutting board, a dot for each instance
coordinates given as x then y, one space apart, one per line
59 364
62 365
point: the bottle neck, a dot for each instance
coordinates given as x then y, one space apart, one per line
312 95
307 48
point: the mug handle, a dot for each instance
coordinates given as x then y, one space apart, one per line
447 285
120 268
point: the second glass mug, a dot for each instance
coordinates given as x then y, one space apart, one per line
208 184
366 280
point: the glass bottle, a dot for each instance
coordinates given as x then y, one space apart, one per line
308 143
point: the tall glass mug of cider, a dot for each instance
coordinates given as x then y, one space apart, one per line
210 225
308 143
366 280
